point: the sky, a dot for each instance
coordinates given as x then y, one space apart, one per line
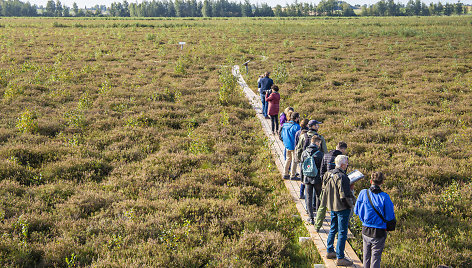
91 3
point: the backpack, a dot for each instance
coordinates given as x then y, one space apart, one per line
309 166
307 140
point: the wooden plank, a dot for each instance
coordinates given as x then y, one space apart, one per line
277 150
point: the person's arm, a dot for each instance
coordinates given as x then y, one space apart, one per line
388 209
269 97
324 148
299 148
346 195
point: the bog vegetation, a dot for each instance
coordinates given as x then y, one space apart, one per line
120 149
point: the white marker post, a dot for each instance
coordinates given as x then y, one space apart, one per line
247 68
182 45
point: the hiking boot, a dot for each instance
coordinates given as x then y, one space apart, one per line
331 255
294 178
310 221
286 177
302 197
344 262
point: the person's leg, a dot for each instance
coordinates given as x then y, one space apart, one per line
288 162
263 101
276 123
343 219
317 187
272 122
320 216
332 232
302 190
309 200
293 170
366 250
378 245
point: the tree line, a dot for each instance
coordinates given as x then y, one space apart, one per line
225 8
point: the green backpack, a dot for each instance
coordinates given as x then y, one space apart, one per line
309 166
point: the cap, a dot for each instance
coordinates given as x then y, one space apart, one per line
313 122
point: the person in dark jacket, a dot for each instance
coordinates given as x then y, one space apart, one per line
374 228
303 130
328 159
265 84
273 99
312 184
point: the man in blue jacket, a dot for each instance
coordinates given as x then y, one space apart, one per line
289 129
265 85
374 231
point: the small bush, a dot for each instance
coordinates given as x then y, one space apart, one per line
77 170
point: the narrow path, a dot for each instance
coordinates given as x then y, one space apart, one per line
319 238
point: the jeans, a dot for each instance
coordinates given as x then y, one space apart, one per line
339 221
373 248
274 119
265 105
312 198
290 161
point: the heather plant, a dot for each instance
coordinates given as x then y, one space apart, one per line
27 122
228 85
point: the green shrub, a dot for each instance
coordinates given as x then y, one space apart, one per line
228 85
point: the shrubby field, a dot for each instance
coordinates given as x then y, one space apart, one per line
120 149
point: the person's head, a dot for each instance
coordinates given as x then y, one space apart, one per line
275 88
304 123
342 146
261 76
295 117
287 110
377 178
341 161
313 124
266 74
316 140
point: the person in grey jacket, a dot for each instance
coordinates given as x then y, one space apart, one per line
338 198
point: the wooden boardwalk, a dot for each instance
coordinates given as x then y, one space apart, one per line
319 238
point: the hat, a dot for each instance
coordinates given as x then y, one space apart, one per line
313 122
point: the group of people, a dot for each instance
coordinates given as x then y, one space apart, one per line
325 183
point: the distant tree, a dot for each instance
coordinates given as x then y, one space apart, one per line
206 9
347 10
59 9
448 9
364 11
424 10
382 7
439 8
458 8
392 8
75 8
66 12
246 9
50 8
278 11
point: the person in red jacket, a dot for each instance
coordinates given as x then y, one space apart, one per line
273 99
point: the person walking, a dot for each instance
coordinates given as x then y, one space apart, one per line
265 85
273 99
374 231
288 132
302 131
339 200
312 179
285 115
326 165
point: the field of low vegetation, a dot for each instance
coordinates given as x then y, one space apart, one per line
117 148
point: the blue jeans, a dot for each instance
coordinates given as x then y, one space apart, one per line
339 221
265 105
